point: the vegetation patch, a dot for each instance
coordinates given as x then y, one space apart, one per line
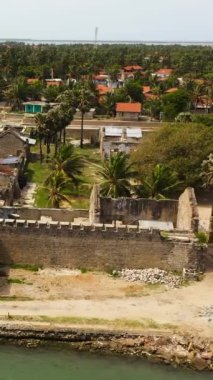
15 281
115 323
30 267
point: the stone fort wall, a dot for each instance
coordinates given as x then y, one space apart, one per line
96 247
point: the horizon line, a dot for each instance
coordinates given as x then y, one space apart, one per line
105 40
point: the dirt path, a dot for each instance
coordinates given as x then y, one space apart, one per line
189 307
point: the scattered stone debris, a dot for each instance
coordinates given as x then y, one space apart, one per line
207 312
151 276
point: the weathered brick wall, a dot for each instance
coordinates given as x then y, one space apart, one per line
187 217
62 215
91 247
9 144
130 210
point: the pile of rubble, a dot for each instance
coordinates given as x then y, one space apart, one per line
151 276
207 312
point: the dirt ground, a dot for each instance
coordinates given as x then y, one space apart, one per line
98 295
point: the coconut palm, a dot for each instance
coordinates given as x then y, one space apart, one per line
116 174
16 93
58 190
160 184
40 131
82 98
67 163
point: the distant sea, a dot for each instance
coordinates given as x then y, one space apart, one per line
102 42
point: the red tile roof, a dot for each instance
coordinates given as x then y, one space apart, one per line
128 107
146 89
103 89
133 68
164 72
101 77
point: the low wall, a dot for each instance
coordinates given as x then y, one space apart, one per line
63 215
187 216
129 210
92 133
95 247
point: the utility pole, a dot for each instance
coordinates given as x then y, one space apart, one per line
96 36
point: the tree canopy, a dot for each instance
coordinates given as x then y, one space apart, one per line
181 148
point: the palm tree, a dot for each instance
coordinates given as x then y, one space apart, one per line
68 164
58 190
159 184
207 171
16 93
40 130
116 174
81 97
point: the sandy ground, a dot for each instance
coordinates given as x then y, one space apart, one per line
96 295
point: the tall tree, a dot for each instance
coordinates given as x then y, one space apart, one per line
40 120
160 183
116 174
16 93
58 190
81 97
67 163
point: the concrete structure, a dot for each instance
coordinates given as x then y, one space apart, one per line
88 115
128 111
14 144
182 213
116 139
57 82
9 186
163 73
14 150
51 214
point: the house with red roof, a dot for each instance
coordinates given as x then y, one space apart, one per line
128 111
128 72
163 73
133 68
102 91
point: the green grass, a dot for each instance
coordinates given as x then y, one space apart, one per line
15 281
32 268
41 198
116 323
14 298
37 173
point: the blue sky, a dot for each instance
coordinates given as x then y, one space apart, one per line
116 19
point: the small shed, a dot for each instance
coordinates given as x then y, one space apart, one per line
34 107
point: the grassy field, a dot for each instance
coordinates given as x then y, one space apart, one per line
37 173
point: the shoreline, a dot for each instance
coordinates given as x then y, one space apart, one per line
165 347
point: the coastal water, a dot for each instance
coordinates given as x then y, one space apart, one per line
108 42
48 364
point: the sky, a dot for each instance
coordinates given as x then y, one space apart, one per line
145 20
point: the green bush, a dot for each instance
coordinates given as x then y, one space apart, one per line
202 237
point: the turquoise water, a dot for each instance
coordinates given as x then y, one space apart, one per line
46 364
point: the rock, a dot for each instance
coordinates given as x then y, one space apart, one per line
199 364
151 276
207 355
180 353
